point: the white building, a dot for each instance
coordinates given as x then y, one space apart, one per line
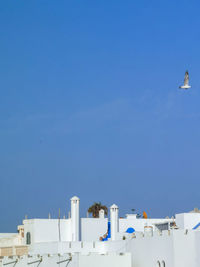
114 241
188 220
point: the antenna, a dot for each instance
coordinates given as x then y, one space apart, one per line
59 225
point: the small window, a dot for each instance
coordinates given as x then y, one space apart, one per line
28 238
158 264
163 264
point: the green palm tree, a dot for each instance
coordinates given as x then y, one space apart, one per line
95 208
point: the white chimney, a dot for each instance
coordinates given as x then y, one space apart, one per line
75 218
101 214
114 211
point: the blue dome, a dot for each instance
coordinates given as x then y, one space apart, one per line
130 230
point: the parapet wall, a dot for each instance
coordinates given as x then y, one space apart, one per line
77 260
172 248
78 247
41 261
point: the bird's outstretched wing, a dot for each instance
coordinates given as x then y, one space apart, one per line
186 79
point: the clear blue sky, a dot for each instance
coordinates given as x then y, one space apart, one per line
90 106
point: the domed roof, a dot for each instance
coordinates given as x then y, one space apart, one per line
130 230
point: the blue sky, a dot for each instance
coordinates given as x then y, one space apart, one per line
90 106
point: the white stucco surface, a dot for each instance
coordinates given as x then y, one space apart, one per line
187 220
78 260
93 228
47 230
43 261
110 260
139 224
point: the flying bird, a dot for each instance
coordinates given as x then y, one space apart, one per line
186 82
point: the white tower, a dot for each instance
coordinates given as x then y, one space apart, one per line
75 218
114 211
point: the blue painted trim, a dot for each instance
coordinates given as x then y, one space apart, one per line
109 233
196 226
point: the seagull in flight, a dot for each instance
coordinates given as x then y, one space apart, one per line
186 82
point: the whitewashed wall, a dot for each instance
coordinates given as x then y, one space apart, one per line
138 224
187 220
178 248
186 246
47 230
77 247
110 260
42 261
146 251
93 228
92 260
